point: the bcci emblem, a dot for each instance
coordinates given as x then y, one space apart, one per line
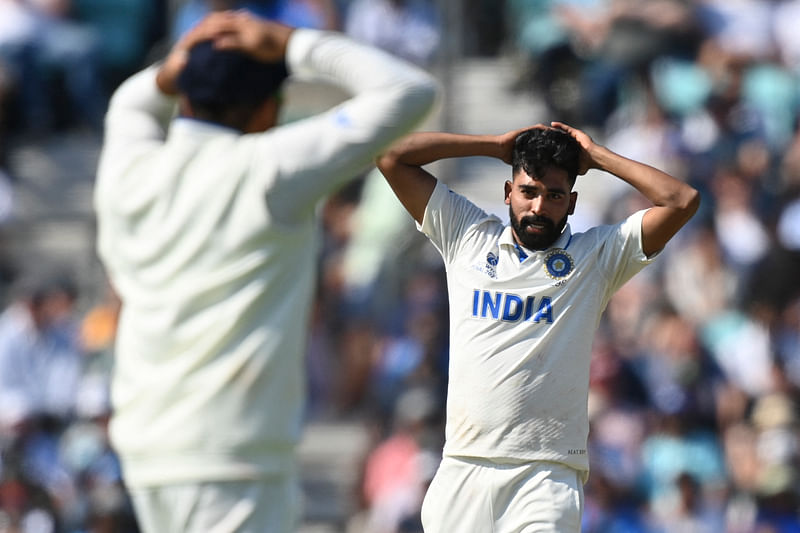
558 264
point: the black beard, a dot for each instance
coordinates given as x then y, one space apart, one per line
541 241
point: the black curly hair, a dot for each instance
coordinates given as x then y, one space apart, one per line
537 149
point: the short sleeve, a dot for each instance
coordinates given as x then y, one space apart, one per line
448 216
623 255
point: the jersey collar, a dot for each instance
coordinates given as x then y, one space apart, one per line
192 127
507 239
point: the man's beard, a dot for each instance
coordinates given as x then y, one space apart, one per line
536 241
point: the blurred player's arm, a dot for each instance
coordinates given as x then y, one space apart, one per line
402 164
674 202
389 98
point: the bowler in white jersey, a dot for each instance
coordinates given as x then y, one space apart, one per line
525 301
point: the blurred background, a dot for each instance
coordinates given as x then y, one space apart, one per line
695 377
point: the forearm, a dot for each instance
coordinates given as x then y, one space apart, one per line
355 67
658 187
422 148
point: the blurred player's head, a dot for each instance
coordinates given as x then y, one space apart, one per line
545 164
231 88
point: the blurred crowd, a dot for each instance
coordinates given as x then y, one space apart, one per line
695 378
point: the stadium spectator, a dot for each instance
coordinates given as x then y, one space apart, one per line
40 362
398 470
409 28
316 14
46 48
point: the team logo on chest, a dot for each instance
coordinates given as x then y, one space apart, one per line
558 264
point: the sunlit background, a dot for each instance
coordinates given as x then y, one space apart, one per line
695 376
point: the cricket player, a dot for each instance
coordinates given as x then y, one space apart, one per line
525 300
207 230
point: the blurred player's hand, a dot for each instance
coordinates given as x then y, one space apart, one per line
264 40
175 61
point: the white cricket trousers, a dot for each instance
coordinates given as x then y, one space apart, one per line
265 506
469 495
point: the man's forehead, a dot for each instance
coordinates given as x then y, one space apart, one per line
550 177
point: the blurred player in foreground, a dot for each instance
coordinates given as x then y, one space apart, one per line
525 301
206 228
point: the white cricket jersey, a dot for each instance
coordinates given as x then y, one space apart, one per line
521 331
209 236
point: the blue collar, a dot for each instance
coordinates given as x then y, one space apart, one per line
522 255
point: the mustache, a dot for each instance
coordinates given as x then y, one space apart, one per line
535 219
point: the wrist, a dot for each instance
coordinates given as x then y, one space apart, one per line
274 41
600 157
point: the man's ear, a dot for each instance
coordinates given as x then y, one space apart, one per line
507 191
573 197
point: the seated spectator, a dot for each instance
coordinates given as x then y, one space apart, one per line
408 28
317 14
47 49
40 365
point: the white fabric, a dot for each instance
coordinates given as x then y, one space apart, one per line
520 339
474 496
210 239
232 507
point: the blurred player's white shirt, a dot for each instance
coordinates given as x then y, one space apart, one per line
209 237
521 331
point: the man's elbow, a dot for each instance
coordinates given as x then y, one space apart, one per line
386 162
685 199
692 201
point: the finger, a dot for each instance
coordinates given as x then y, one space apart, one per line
228 41
217 22
219 27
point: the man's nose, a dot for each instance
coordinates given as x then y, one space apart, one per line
537 206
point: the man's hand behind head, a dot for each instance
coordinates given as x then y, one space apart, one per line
264 40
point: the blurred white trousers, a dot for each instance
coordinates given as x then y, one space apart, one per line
266 506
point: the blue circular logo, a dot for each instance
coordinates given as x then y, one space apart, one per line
558 264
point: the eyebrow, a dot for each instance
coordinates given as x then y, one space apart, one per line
527 187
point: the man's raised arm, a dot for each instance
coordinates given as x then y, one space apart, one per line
402 163
674 202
